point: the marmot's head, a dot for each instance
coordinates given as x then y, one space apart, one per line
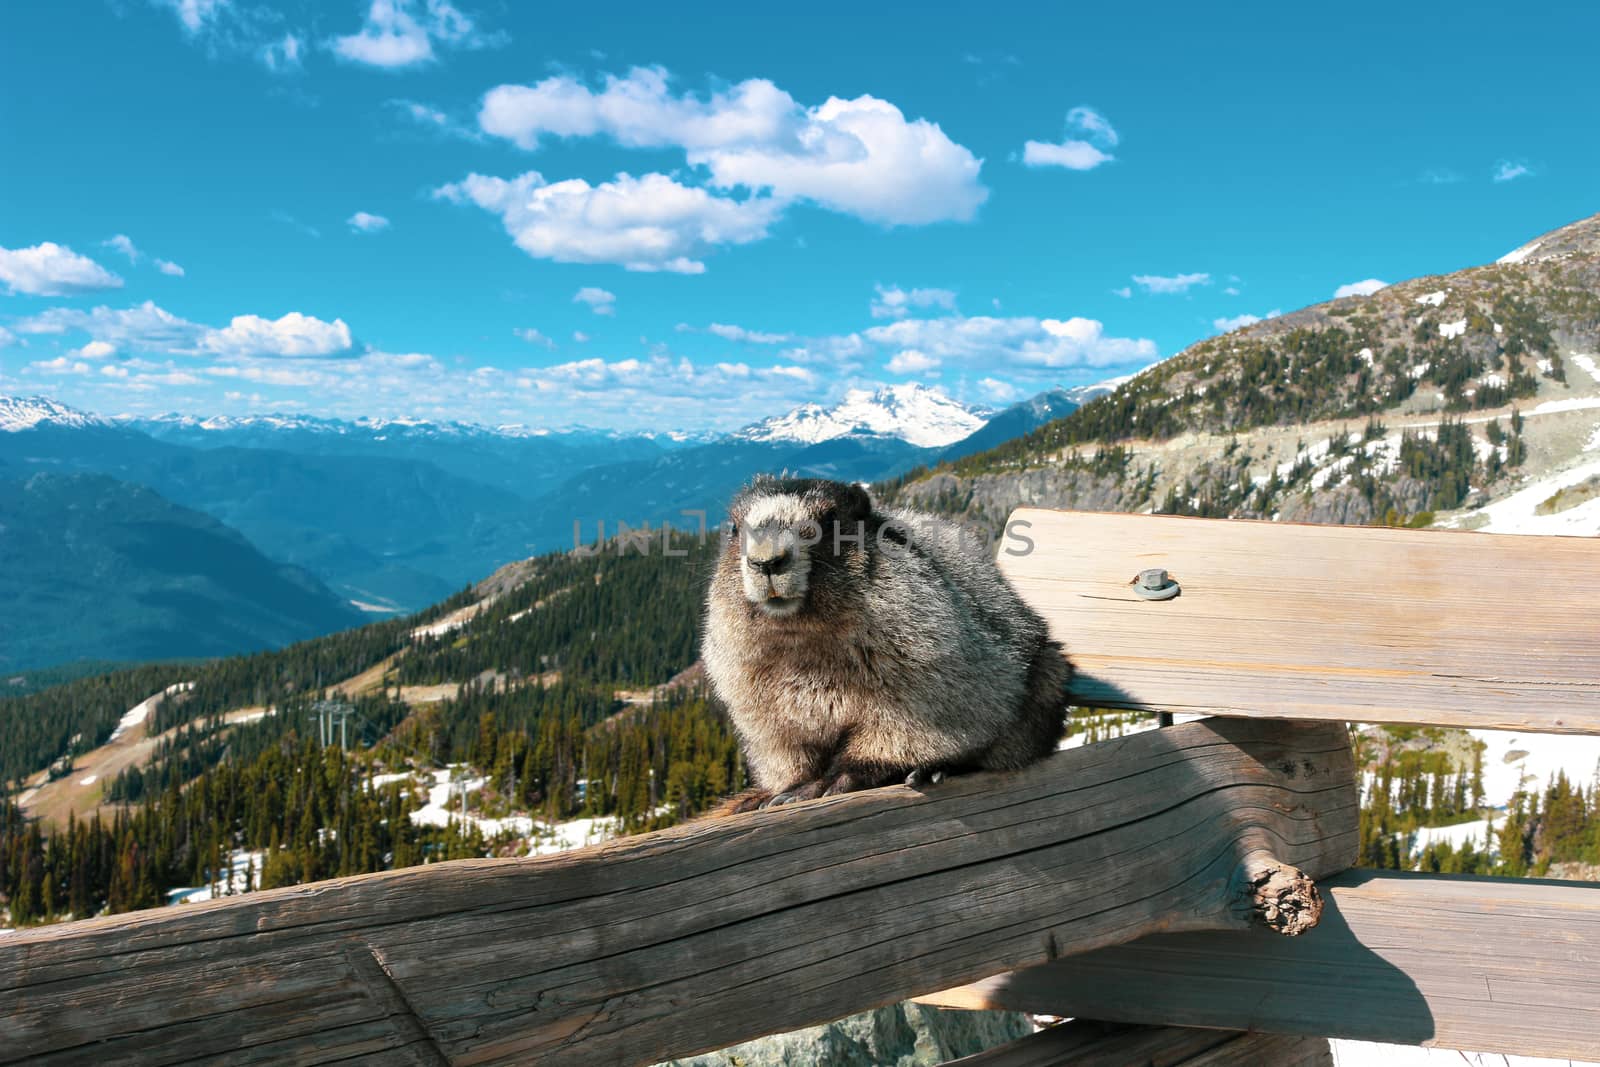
791 540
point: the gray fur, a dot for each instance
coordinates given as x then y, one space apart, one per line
849 665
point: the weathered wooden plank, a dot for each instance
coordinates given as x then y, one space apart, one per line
1086 1043
1485 964
1322 622
704 935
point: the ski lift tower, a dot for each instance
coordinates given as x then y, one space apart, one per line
331 713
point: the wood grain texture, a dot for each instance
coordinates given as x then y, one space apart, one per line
1086 1043
704 935
1322 622
1485 964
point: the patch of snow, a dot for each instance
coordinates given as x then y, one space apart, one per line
1546 366
241 862
141 711
1498 328
1450 330
1492 379
1514 760
914 413
254 716
1587 363
1576 403
1417 370
1434 299
1366 354
378 781
27 795
1517 513
1520 254
88 779
18 413
440 812
1476 833
1593 444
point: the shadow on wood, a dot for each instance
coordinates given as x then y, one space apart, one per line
708 934
1488 964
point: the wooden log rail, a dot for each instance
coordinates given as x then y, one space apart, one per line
1488 964
708 934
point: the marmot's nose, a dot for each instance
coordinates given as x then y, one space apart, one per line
775 565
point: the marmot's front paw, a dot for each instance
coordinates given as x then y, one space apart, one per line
925 776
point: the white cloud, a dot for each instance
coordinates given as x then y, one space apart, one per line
1228 325
196 15
112 370
998 391
292 335
284 54
7 338
1441 176
1176 283
861 157
365 222
1126 292
740 334
1361 288
436 119
403 33
123 244
580 337
1022 341
49 269
1508 170
144 326
1087 145
650 223
911 361
94 350
600 301
59 365
533 336
893 302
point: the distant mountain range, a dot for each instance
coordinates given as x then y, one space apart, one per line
397 514
90 566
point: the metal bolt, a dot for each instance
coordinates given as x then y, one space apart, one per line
1155 584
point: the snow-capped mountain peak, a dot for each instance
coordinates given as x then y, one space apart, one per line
18 413
913 413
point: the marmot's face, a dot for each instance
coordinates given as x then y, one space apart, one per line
783 546
774 544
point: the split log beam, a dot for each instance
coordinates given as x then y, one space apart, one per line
1492 965
1349 623
708 934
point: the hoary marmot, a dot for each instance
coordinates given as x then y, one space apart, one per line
856 647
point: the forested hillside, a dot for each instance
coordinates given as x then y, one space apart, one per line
557 709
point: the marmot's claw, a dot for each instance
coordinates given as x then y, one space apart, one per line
779 800
920 777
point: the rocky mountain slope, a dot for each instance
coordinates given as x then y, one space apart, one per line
1419 403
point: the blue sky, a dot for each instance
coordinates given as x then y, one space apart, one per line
632 216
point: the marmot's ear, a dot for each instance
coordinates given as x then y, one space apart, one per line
854 503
